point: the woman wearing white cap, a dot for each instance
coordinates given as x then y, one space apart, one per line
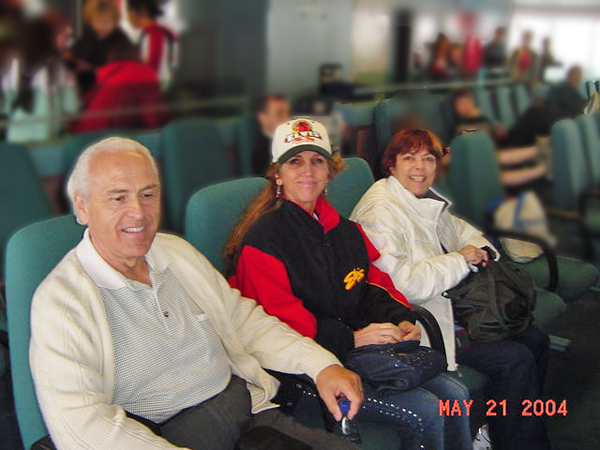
304 263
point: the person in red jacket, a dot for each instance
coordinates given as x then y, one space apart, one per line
313 269
126 95
157 42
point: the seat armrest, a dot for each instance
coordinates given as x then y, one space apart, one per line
432 328
575 217
592 194
553 274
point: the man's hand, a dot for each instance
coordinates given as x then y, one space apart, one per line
410 332
335 381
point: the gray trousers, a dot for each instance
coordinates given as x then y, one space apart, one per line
217 423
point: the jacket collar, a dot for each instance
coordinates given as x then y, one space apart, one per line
329 218
429 207
103 275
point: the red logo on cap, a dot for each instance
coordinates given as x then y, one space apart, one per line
302 131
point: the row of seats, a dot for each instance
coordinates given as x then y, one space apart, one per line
576 171
502 105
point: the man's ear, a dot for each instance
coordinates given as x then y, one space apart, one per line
80 209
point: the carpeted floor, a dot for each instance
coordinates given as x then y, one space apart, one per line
573 375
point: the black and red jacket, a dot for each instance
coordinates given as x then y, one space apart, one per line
317 275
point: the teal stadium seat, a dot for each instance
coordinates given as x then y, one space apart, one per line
192 156
348 187
31 254
475 184
384 114
483 98
22 197
570 174
590 138
429 107
522 101
151 141
360 134
246 132
504 106
207 231
573 183
77 143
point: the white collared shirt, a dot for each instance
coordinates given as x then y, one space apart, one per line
168 355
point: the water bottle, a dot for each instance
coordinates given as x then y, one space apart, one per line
347 429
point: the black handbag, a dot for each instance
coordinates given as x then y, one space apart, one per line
396 367
494 303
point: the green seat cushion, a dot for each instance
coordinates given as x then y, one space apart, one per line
575 276
548 306
592 220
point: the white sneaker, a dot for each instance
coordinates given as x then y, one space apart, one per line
482 440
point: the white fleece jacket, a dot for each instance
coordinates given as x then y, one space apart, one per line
72 361
409 233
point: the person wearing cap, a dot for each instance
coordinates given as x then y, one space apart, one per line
312 268
428 251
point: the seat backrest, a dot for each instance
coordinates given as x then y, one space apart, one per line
77 143
349 186
522 101
429 107
356 114
213 211
474 177
32 253
591 144
570 174
192 157
22 197
504 106
596 117
246 133
360 135
151 141
384 114
483 98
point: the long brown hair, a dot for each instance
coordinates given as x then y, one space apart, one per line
265 202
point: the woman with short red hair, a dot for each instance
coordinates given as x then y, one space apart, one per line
427 251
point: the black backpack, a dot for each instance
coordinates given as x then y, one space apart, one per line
494 303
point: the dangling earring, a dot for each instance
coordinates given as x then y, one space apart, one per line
278 192
326 190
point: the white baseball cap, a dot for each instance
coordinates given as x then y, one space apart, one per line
299 135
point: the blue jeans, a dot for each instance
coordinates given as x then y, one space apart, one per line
416 416
516 368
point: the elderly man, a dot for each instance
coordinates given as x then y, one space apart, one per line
135 330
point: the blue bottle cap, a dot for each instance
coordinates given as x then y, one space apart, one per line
344 405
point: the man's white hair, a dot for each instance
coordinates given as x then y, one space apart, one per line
79 181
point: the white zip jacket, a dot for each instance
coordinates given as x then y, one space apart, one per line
72 361
409 232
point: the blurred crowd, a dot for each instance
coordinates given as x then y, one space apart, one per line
456 60
99 72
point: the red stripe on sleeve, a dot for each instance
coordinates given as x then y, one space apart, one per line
263 277
376 276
